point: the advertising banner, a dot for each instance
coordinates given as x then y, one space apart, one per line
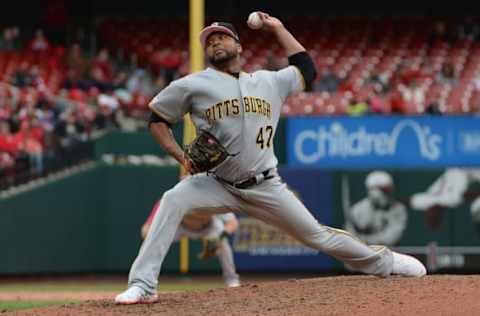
397 142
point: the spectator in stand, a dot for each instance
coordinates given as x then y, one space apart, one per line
39 43
8 143
447 75
357 108
328 81
7 40
468 29
36 80
21 77
73 80
120 80
377 100
441 33
28 76
28 110
409 98
47 116
69 130
167 62
98 80
31 147
103 64
17 41
6 166
377 104
141 82
6 107
381 79
433 108
75 61
92 96
106 118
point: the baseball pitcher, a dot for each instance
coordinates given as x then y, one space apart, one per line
232 159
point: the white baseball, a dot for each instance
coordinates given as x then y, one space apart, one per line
254 21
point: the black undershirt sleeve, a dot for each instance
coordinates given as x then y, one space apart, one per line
154 118
305 64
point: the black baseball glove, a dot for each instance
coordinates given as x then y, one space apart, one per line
205 152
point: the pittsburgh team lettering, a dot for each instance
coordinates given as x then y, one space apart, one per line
230 107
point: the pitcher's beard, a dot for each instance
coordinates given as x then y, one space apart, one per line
222 61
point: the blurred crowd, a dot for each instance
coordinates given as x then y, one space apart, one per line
53 98
436 74
402 90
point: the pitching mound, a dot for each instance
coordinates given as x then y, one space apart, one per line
350 295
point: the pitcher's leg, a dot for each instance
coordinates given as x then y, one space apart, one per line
225 256
194 193
145 269
282 208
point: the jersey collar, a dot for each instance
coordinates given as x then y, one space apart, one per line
227 74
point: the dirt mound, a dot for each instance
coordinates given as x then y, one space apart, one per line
349 295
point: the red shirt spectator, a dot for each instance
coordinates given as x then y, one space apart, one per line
8 142
6 160
27 142
102 62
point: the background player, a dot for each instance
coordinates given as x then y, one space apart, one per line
242 111
448 191
378 218
214 229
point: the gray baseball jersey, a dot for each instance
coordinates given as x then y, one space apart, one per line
242 113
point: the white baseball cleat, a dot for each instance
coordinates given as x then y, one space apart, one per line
407 266
135 295
232 283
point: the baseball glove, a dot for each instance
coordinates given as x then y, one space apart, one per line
205 152
210 246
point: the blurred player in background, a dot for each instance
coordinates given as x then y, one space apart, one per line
447 192
214 230
378 218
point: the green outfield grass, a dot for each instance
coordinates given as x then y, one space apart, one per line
16 305
102 286
60 287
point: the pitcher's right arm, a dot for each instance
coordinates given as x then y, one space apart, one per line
168 107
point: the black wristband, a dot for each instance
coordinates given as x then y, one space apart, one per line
305 64
154 118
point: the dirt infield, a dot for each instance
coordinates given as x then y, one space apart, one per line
348 295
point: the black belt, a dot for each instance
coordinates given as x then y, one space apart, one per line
245 184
